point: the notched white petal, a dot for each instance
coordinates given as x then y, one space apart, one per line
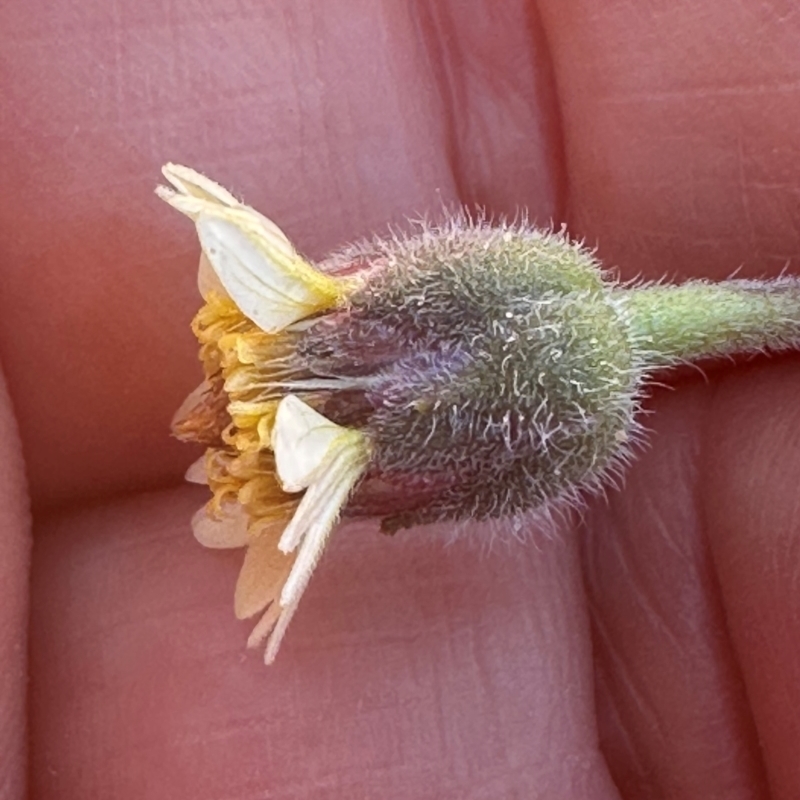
191 183
301 439
265 286
191 206
193 193
225 532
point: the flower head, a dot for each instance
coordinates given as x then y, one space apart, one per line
465 371
415 379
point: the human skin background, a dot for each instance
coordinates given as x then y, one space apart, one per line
652 651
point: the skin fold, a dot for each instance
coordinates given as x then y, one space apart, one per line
649 649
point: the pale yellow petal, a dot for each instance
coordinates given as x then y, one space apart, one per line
263 230
227 531
270 288
301 439
263 574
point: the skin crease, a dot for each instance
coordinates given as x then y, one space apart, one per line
649 650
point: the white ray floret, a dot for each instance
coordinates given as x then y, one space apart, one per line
193 194
190 183
254 262
301 440
271 291
328 460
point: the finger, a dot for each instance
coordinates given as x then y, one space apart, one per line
672 709
334 119
681 132
411 670
14 565
754 529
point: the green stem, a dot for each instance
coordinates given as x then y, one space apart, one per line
698 320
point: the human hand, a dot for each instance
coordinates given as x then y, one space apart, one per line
652 646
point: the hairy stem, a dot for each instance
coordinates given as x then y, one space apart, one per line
702 320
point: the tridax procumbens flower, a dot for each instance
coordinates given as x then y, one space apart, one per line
464 371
